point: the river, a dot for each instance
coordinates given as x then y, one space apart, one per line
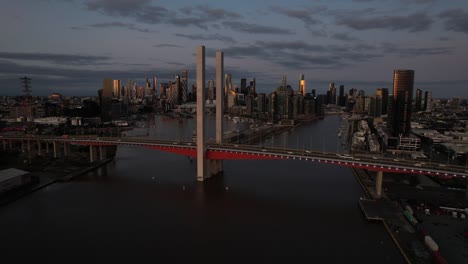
148 204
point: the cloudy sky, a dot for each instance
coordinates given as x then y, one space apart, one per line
69 46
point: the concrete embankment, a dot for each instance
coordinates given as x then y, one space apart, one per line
47 178
390 214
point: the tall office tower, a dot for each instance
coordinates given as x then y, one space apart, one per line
155 87
148 87
302 85
244 86
331 93
284 83
227 83
135 90
253 85
428 101
375 106
313 93
341 97
116 89
353 92
183 86
106 99
361 93
455 103
261 102
210 91
108 88
403 81
162 90
177 91
129 89
418 102
383 92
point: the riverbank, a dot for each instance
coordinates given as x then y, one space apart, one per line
390 214
45 172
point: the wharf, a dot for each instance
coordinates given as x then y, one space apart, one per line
378 209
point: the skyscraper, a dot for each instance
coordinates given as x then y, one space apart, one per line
210 95
403 81
383 92
116 89
418 100
427 101
331 93
253 85
227 84
183 86
155 88
244 86
302 85
341 97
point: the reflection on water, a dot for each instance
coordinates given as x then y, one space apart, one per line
148 203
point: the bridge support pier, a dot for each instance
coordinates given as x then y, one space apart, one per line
56 145
102 152
10 144
466 190
39 148
28 144
22 146
92 153
66 148
4 144
378 183
47 147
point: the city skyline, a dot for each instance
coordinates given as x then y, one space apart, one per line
71 47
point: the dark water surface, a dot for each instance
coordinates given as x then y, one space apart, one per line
148 204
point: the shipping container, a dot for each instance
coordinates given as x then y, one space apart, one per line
437 258
430 243
409 209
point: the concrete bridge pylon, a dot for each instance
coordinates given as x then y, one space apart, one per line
207 168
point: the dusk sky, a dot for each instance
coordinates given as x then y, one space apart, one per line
70 46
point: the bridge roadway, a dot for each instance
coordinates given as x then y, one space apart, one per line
236 151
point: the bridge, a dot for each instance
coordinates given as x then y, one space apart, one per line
215 153
209 155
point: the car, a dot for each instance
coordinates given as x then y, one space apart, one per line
375 158
418 165
441 165
289 152
189 144
264 150
307 151
357 159
236 145
396 160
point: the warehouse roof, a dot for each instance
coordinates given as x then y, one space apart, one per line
11 173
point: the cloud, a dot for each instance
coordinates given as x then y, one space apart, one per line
129 26
343 37
255 28
143 11
117 7
455 20
304 14
413 52
167 46
64 59
207 37
175 63
299 54
413 23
